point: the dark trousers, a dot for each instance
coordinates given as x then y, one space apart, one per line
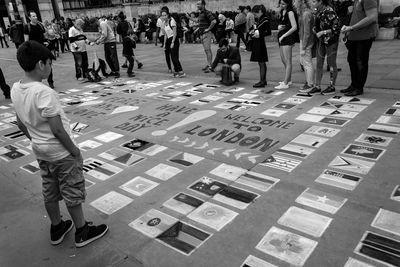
131 61
50 79
81 64
3 38
64 45
358 57
174 53
3 85
240 35
110 53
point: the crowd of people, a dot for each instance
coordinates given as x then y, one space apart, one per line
39 113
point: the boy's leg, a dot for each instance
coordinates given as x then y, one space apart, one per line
131 63
53 210
77 216
85 64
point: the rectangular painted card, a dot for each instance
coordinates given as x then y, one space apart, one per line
349 99
383 129
389 120
163 171
252 261
305 221
303 95
362 151
88 145
12 154
388 221
207 186
108 137
285 106
397 104
309 140
121 156
281 163
295 100
139 186
14 135
393 111
321 200
334 121
310 117
352 164
111 202
89 184
289 247
99 169
373 139
351 262
273 112
5 115
228 172
185 159
257 180
344 106
213 215
379 248
32 167
295 150
153 223
396 194
339 179
236 197
183 203
323 131
183 238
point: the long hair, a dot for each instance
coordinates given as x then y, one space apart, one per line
301 5
289 4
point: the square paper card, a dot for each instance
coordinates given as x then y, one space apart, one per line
292 248
163 172
111 202
153 223
186 159
138 186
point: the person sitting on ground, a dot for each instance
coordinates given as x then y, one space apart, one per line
41 118
228 55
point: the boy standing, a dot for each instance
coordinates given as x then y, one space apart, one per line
42 119
128 45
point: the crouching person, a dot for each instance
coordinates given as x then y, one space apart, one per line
227 55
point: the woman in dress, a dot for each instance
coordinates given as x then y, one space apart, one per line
287 30
259 49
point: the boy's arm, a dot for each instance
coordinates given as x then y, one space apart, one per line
59 132
23 128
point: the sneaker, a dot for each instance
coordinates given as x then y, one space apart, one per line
181 75
347 90
289 83
355 92
139 65
330 90
205 68
282 86
89 234
57 233
124 66
315 90
81 79
131 75
306 89
175 75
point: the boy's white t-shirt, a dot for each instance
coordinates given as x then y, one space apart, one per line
34 103
169 32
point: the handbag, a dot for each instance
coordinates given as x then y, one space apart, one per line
226 75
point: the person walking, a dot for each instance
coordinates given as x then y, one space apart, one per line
107 37
360 35
35 31
307 40
78 43
327 31
129 43
3 38
230 24
241 26
259 49
171 42
206 21
17 32
287 30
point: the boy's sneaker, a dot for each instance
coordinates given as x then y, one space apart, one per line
181 75
175 75
139 65
306 89
131 75
315 90
81 79
330 90
205 68
58 232
124 66
88 233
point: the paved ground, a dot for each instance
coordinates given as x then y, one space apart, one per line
282 183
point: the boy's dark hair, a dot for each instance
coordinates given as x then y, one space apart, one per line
223 42
130 32
30 53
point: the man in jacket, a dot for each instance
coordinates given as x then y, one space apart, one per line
227 55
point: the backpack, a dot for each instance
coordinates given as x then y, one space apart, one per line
93 75
179 28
